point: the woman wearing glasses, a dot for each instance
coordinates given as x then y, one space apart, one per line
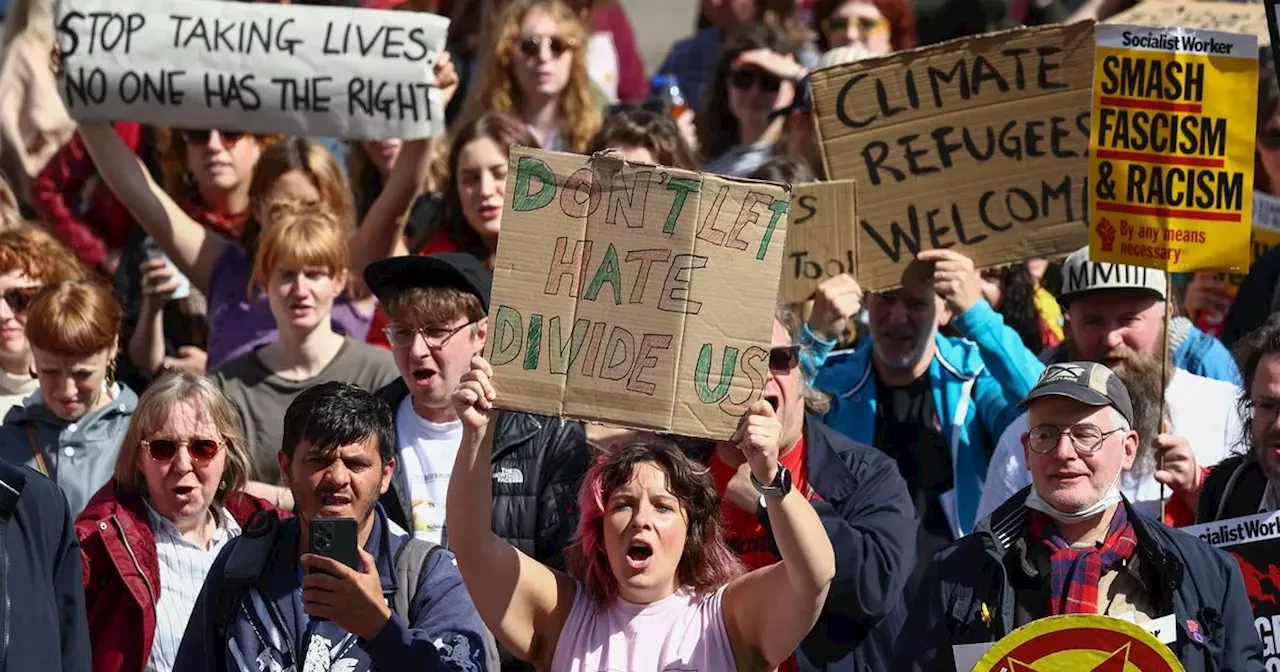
879 26
301 265
537 71
755 78
30 258
149 536
70 429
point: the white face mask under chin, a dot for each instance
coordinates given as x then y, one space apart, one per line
1109 499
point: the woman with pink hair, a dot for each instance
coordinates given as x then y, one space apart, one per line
654 586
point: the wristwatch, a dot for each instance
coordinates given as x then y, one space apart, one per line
780 486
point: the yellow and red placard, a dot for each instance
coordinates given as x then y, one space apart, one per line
1171 147
1079 644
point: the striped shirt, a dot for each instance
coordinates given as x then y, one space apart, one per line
183 566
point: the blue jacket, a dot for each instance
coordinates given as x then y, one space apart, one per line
446 632
977 384
1185 576
42 617
871 521
1204 355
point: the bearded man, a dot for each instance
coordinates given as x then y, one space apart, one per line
1116 316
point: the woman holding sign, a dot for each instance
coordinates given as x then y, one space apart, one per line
654 586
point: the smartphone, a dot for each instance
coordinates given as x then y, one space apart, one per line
154 252
335 538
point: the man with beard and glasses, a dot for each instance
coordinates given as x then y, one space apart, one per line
932 402
1245 484
1116 316
268 603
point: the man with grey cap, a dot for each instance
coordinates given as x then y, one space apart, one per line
1071 543
1116 316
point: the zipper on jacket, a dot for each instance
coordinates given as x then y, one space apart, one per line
285 633
150 591
4 584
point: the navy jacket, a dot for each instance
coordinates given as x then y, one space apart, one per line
1189 578
446 632
42 618
871 522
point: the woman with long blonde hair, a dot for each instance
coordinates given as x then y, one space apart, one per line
537 71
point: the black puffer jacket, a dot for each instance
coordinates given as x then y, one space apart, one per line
538 464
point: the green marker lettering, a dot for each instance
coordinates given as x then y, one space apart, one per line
778 207
683 186
702 373
535 343
528 167
609 272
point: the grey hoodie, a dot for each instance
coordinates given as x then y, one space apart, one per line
79 456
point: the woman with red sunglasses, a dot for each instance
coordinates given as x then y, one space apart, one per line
149 536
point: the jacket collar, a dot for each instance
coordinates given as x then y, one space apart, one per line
1006 528
35 410
12 481
829 476
952 357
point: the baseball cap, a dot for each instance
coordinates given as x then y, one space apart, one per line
443 269
1081 276
1087 382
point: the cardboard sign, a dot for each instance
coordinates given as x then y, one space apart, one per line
823 238
1076 643
632 294
266 68
1254 541
977 145
1228 17
1171 155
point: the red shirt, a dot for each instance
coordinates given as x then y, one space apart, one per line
743 531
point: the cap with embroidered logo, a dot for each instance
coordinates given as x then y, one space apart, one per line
1086 382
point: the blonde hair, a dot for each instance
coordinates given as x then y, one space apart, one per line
154 406
10 214
27 247
299 235
497 90
311 159
74 319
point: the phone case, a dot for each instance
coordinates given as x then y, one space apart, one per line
335 538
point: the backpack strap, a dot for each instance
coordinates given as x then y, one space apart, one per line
413 558
248 558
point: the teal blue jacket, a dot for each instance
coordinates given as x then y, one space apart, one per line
978 381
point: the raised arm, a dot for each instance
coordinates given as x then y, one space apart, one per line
193 249
524 603
769 611
381 233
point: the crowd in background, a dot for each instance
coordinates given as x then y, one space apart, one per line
210 337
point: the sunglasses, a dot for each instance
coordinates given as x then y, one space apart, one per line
784 358
866 24
1270 138
532 46
201 450
201 136
19 298
745 79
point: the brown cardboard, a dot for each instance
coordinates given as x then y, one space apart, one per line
1231 17
682 325
1047 77
823 238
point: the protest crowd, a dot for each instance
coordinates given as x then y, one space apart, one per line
286 384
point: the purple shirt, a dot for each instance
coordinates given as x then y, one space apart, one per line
238 325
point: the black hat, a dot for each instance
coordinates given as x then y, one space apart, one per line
1086 382
443 269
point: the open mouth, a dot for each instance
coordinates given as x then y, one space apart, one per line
334 501
638 554
423 376
183 490
773 401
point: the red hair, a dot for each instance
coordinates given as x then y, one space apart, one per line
706 563
899 14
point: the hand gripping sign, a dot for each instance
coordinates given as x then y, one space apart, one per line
1171 149
265 68
632 294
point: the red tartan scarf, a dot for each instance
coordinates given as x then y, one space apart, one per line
1075 572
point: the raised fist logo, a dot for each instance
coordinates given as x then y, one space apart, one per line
1107 232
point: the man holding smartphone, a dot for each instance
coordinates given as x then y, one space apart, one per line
328 589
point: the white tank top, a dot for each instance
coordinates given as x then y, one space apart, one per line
681 633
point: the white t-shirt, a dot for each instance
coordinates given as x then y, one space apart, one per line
427 451
1201 410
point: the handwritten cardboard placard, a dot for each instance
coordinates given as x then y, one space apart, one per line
1228 17
633 294
1171 155
976 145
822 241
266 68
1254 541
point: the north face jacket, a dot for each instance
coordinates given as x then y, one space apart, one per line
538 464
